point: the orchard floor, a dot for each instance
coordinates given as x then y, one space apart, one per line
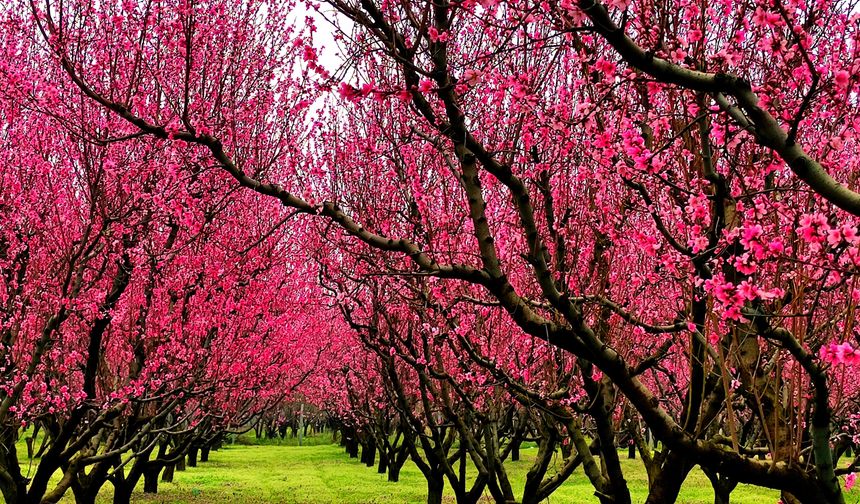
324 474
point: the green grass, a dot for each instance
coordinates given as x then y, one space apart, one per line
249 439
320 472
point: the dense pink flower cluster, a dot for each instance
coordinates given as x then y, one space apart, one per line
840 353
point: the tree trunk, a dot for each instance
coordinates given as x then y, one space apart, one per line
398 458
13 491
204 454
86 487
721 494
150 478
515 451
167 474
192 457
394 470
364 452
722 486
631 451
180 464
667 483
435 487
85 495
368 454
352 447
122 493
383 462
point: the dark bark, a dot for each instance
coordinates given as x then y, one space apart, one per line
722 485
667 483
192 457
383 462
85 495
124 483
86 486
370 458
16 490
352 446
394 473
204 454
122 493
396 463
167 474
150 478
435 487
368 453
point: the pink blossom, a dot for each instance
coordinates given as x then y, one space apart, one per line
694 36
606 67
437 36
426 85
842 79
348 92
813 228
762 17
471 76
309 53
839 354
